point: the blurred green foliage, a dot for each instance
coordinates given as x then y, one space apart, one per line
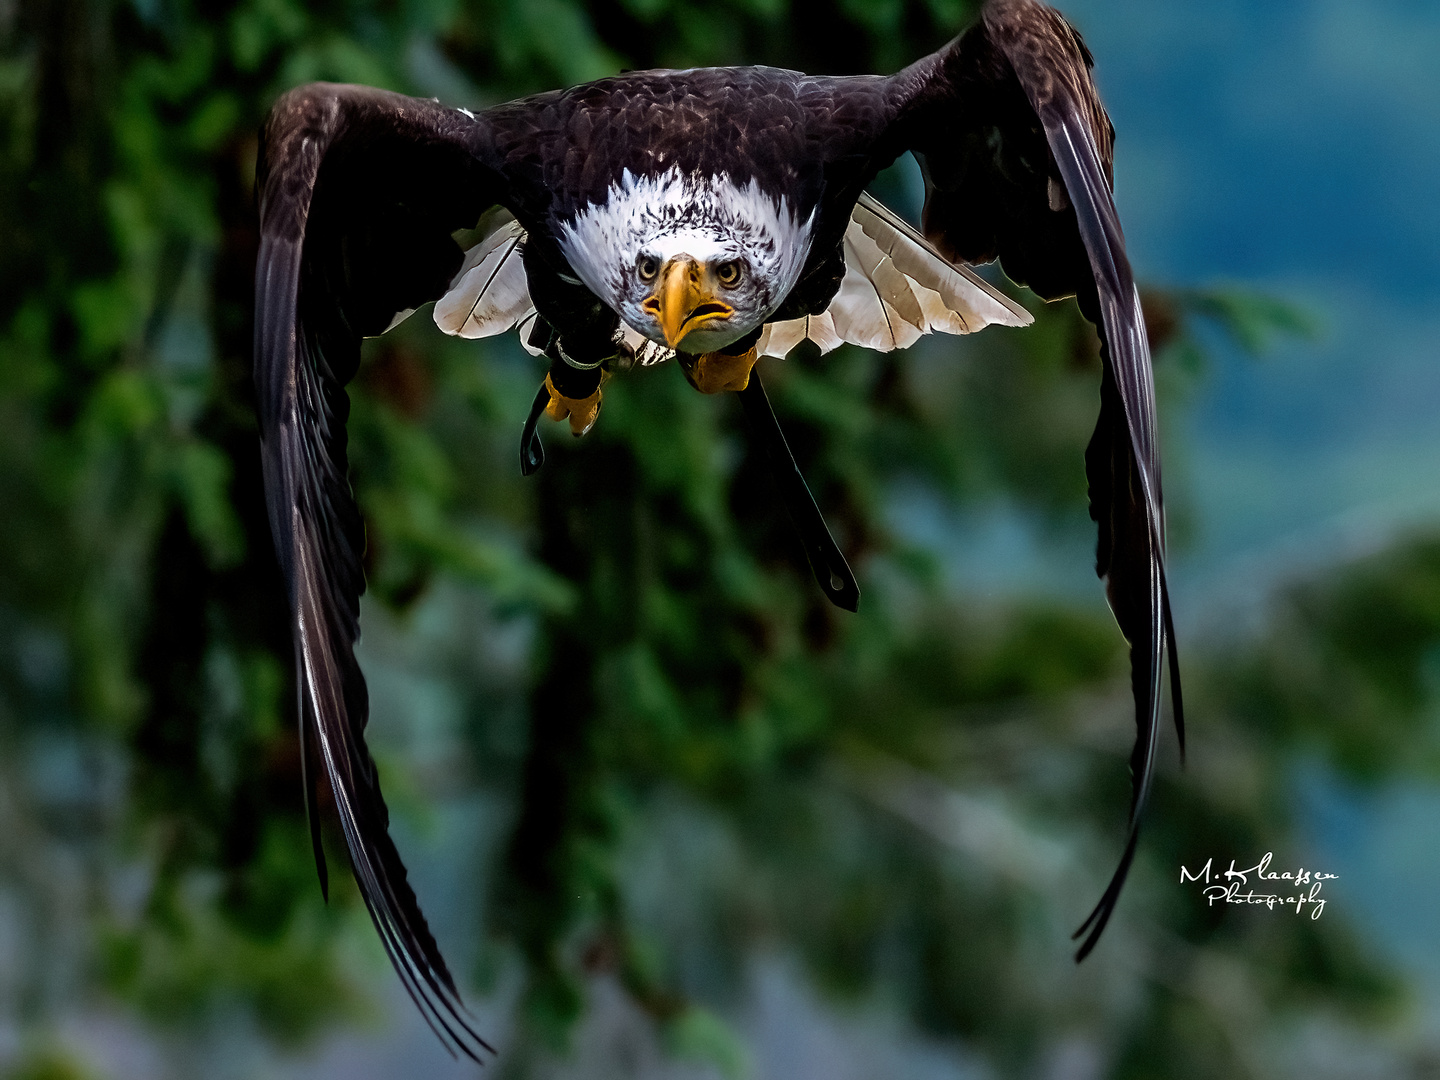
47 1064
700 761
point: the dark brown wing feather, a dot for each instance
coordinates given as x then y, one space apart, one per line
1017 152
359 192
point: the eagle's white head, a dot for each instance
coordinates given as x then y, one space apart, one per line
693 262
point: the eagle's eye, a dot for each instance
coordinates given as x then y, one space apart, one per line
728 274
647 266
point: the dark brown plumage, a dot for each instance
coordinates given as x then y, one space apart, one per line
360 191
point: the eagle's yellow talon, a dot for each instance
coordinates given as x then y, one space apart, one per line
715 373
580 411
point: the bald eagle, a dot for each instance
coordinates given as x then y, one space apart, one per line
714 216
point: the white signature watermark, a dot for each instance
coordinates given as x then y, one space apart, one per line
1300 888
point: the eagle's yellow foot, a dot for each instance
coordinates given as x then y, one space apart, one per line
715 373
581 411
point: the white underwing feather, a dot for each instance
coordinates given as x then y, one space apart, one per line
778 338
527 323
490 293
864 313
400 316
874 307
964 292
897 287
864 254
647 353
821 330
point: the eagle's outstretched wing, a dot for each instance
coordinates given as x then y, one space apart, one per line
359 192
1017 150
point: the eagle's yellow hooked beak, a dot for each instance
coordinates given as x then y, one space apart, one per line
684 299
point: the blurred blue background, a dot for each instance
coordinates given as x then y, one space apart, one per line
1293 147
